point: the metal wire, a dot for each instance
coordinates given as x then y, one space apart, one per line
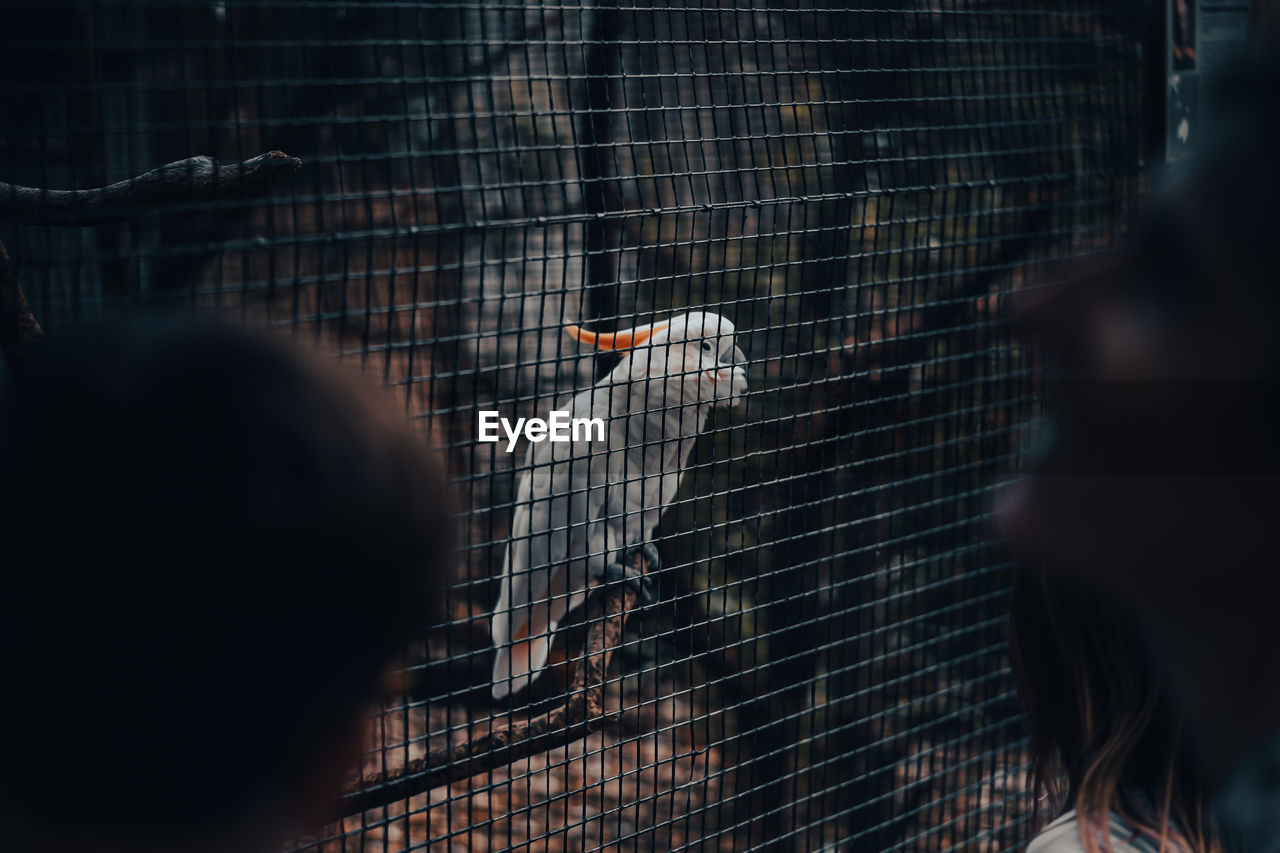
859 188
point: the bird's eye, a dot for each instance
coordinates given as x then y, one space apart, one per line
706 345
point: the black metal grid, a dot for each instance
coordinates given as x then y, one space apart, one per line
859 189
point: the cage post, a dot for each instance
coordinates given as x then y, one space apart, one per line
595 133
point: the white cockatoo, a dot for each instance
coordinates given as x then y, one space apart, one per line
580 504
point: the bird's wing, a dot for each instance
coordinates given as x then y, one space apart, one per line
662 432
515 565
545 569
567 511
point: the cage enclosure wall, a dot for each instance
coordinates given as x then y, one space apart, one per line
858 189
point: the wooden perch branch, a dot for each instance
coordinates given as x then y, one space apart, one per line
193 179
582 713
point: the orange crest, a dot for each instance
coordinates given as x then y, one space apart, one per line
625 339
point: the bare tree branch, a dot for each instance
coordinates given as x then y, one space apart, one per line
498 744
193 179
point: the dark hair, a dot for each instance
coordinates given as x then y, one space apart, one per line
1105 735
210 549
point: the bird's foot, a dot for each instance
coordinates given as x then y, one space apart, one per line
648 557
635 578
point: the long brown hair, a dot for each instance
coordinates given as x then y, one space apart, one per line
1104 736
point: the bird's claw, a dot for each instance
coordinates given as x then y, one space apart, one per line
646 552
641 583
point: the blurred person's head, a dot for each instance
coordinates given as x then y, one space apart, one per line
1162 359
1105 731
1156 478
211 548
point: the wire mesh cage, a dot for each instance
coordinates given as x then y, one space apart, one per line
858 189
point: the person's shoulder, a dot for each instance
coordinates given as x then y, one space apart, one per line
1063 836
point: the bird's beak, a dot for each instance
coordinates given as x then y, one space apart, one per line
737 358
625 339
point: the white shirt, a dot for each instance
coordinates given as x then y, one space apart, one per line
1063 836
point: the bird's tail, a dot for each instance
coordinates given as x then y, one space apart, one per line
519 663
